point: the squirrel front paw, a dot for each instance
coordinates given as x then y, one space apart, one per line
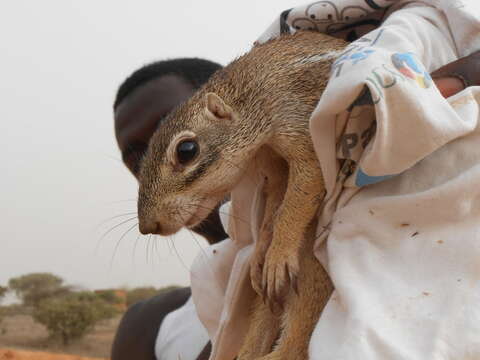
281 268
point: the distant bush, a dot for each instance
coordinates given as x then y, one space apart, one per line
3 292
4 312
143 293
140 293
72 316
15 309
11 310
2 316
34 288
109 296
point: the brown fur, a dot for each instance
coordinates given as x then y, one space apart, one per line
257 107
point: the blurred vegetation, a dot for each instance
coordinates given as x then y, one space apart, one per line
3 312
3 292
15 309
72 316
33 288
2 316
110 296
68 313
142 293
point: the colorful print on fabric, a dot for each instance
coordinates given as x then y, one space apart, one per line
406 64
332 16
355 52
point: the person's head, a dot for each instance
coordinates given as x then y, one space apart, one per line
145 98
148 95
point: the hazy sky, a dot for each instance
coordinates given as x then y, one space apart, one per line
61 63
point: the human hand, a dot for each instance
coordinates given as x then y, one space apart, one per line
457 75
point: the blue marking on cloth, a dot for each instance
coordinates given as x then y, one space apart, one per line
364 179
362 55
410 61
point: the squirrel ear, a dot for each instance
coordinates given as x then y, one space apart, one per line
216 107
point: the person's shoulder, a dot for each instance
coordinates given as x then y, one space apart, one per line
171 299
138 329
156 307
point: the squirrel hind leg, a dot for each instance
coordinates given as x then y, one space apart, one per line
303 310
262 334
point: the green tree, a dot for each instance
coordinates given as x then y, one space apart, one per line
72 316
35 287
102 308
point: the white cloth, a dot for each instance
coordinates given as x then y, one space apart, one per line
181 335
404 256
399 233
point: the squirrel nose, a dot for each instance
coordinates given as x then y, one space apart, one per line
149 227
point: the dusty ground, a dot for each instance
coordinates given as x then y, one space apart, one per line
11 354
21 332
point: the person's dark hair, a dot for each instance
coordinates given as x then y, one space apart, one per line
194 70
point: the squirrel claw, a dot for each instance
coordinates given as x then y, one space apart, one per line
256 270
257 264
293 281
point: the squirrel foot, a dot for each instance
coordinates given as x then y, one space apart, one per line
281 269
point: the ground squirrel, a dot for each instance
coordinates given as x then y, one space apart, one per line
257 107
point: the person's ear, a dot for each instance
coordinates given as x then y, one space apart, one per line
216 107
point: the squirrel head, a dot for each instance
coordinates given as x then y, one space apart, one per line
189 166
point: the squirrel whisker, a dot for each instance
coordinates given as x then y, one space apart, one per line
110 230
114 217
135 249
146 248
119 241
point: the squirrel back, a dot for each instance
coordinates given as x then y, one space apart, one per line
274 73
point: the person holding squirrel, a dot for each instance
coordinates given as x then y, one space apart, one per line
141 102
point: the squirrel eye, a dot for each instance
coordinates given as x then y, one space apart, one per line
186 151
